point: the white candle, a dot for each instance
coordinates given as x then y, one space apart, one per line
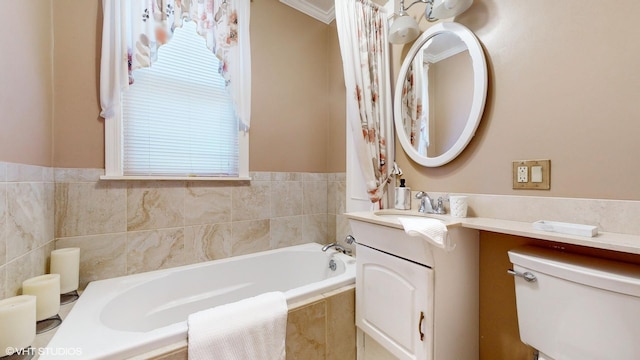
66 262
46 289
17 322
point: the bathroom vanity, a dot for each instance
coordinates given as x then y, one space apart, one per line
415 299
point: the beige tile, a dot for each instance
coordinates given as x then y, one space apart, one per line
48 174
40 258
205 204
90 208
24 173
3 282
175 351
336 197
306 332
101 256
155 249
251 202
286 198
315 197
314 229
250 236
286 231
49 209
26 225
341 329
18 270
181 354
3 222
341 177
260 176
315 177
3 171
331 229
207 242
78 175
286 176
155 205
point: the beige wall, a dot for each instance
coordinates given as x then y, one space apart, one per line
26 83
78 130
291 107
563 85
290 87
337 127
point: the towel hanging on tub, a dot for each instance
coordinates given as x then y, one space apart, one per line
253 328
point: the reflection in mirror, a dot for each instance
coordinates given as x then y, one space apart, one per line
437 94
440 94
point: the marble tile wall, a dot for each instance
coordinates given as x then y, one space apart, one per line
127 227
26 224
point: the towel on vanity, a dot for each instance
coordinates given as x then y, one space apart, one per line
252 328
432 230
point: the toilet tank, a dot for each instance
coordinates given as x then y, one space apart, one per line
578 307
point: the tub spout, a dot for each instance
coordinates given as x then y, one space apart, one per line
338 248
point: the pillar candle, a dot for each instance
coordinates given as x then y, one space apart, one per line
17 322
46 289
66 262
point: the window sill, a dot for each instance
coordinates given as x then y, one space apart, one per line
175 178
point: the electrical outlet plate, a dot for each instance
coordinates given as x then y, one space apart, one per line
532 174
523 174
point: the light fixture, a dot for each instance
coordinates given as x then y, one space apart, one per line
405 29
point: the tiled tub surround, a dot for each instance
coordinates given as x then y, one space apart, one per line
126 227
317 329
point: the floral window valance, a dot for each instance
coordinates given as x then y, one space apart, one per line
134 30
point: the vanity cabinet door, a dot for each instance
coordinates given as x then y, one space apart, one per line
394 303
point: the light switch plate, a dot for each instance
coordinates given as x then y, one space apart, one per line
532 174
536 174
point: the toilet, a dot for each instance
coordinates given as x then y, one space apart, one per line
574 307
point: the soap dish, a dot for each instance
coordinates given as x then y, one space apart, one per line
566 228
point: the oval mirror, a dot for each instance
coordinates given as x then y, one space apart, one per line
440 94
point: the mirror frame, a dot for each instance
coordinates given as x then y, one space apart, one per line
479 65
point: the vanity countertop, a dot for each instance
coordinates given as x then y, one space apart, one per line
603 240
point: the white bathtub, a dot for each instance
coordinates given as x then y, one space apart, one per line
131 315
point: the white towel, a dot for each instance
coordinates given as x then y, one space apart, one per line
432 230
253 328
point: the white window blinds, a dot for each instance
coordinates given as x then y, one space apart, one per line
178 118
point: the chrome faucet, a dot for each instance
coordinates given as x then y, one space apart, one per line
338 248
428 205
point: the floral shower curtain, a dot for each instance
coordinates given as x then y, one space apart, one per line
362 31
415 103
133 30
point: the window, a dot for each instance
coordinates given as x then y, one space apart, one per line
175 89
178 118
